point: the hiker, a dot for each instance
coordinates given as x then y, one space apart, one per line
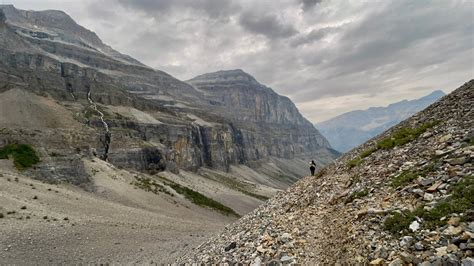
312 167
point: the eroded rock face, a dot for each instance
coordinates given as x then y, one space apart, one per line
169 124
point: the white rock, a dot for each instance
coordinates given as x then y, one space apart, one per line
442 251
414 226
257 262
428 197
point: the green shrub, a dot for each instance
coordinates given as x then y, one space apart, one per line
404 135
399 222
24 155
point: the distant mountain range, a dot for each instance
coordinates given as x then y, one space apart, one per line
351 129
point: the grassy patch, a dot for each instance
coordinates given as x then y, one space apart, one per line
460 200
358 160
368 152
354 162
201 200
404 135
198 198
404 178
150 185
409 176
234 184
24 156
357 195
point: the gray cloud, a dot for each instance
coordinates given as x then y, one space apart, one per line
314 35
328 56
212 8
268 25
308 4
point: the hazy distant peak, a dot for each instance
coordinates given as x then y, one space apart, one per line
353 128
435 94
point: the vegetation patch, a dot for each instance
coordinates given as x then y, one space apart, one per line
404 135
460 201
150 185
234 184
24 156
409 176
357 195
198 198
368 152
354 162
358 160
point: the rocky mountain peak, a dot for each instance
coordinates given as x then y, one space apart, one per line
235 76
434 95
57 26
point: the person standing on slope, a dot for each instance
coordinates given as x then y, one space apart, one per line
312 167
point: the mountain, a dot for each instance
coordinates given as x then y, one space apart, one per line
404 197
350 129
123 145
187 126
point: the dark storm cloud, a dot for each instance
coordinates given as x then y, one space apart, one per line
268 25
328 56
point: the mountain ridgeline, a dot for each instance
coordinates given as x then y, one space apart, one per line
136 117
351 129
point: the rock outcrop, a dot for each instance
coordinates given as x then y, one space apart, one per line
404 197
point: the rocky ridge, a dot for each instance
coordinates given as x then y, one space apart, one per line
404 197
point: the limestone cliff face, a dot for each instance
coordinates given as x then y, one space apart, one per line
156 121
242 98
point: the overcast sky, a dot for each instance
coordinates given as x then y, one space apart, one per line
328 56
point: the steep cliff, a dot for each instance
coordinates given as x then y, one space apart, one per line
402 198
